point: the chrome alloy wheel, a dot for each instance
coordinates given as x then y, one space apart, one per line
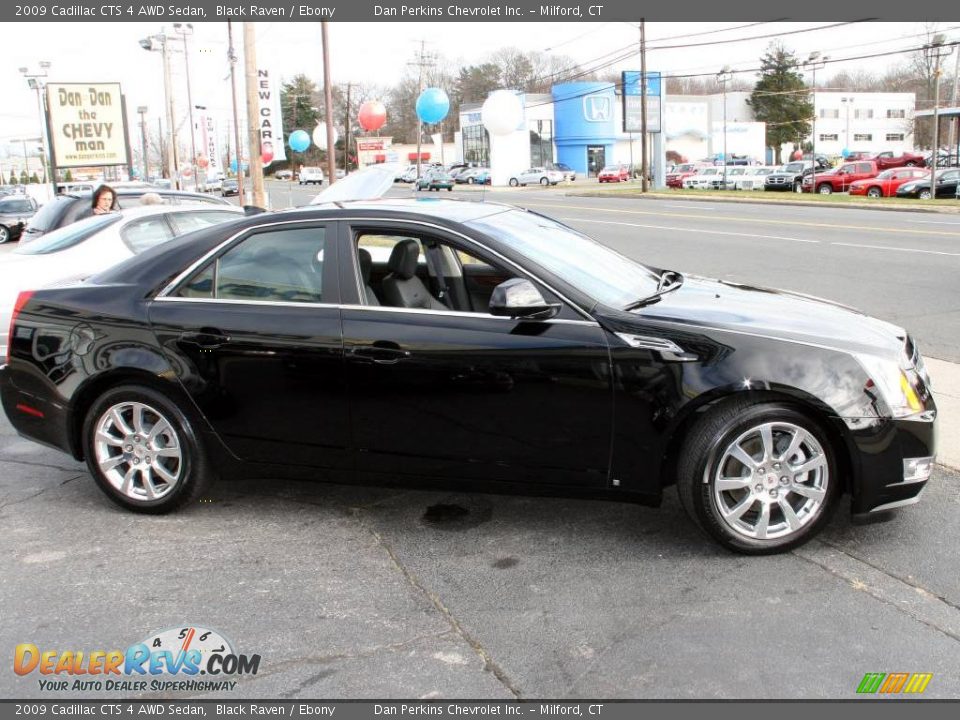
138 451
771 481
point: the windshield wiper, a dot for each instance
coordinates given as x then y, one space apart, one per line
669 281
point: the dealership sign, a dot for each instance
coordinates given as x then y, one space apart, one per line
270 121
633 101
87 125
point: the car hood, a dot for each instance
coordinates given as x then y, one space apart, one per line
778 314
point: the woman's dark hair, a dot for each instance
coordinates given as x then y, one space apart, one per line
100 191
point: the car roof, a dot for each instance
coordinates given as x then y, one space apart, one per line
461 211
147 210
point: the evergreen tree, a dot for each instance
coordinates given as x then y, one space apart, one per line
68 177
781 98
34 179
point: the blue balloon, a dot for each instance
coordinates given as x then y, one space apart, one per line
432 105
299 140
845 152
233 166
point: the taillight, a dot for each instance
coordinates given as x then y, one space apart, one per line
22 299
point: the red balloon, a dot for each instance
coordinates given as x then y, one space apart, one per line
372 115
202 162
797 155
266 156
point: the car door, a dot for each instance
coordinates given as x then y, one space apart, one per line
253 333
947 187
456 393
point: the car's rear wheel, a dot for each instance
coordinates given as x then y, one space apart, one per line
4 234
544 182
514 182
874 192
798 187
759 478
470 181
911 164
142 451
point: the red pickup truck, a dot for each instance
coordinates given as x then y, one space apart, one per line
840 178
887 160
681 172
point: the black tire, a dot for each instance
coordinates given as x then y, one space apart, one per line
514 182
798 187
194 472
4 234
874 192
702 452
911 164
824 189
544 181
925 194
470 181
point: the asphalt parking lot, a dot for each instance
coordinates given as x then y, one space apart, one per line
376 593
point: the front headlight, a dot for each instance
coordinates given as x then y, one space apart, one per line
893 384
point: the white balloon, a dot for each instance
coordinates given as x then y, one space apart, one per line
502 112
320 136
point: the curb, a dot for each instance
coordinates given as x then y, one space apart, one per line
943 210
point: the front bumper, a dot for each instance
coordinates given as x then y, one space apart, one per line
881 454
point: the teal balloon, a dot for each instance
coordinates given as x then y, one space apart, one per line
299 140
845 152
432 105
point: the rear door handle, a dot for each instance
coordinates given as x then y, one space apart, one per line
205 338
381 352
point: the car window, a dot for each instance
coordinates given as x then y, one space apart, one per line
67 237
48 217
143 233
185 222
16 206
864 167
275 265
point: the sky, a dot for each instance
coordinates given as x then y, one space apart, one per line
378 53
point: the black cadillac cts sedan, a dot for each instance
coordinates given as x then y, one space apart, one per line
470 345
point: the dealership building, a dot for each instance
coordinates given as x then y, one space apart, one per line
580 124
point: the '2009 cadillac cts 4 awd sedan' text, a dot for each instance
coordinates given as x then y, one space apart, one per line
469 343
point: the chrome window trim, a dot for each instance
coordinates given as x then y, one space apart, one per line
226 301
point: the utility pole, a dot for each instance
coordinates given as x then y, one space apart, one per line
328 104
723 77
142 110
955 123
814 63
172 154
184 30
938 51
644 162
346 135
253 113
423 61
232 57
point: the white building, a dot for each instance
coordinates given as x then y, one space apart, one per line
868 122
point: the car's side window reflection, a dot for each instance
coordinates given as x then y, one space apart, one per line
278 266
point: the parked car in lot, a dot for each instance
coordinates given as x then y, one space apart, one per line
614 173
887 160
681 172
886 183
537 176
568 172
241 351
481 178
728 180
435 180
230 186
96 243
789 177
839 178
310 176
753 178
855 155
66 208
946 185
708 178
15 211
283 174
469 175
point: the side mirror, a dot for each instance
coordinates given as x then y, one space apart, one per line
519 298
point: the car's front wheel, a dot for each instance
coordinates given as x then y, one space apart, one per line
544 182
925 195
874 192
514 182
759 478
142 451
4 234
825 189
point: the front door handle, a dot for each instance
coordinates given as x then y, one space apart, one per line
382 352
207 338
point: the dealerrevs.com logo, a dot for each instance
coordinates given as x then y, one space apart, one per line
170 660
894 683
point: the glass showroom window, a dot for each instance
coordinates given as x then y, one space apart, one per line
476 145
541 142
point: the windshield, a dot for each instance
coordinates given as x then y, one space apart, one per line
69 236
594 269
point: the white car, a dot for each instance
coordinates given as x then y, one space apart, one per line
311 176
708 178
753 178
88 246
537 176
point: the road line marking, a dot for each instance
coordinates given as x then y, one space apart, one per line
936 222
692 207
901 249
766 221
695 230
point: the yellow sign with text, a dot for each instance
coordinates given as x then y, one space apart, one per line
87 124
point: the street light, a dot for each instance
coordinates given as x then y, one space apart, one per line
158 43
185 30
938 51
35 81
847 102
814 63
723 77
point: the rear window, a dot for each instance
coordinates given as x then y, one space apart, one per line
67 237
48 217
